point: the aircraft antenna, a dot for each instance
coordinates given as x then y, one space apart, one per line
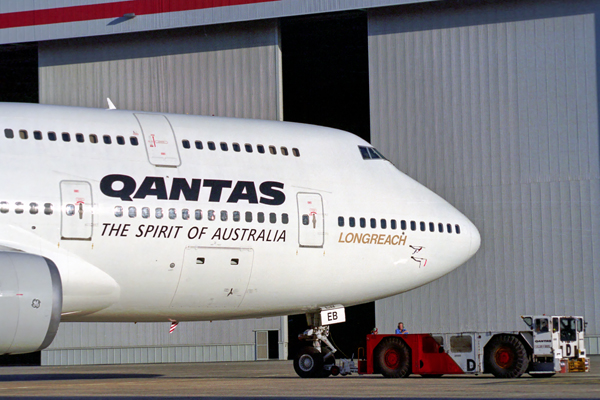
111 105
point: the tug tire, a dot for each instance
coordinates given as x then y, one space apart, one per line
392 356
506 357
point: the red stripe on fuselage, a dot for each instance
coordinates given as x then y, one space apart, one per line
111 10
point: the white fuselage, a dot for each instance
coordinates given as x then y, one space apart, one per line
231 263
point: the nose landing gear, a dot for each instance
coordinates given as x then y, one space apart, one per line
315 361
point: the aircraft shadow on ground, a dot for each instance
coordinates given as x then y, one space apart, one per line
67 377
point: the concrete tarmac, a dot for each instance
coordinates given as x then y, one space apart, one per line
274 379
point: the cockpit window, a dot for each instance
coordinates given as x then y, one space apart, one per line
370 153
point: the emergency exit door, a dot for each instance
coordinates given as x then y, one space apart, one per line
76 210
159 140
311 227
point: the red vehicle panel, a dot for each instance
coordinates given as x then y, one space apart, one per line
428 357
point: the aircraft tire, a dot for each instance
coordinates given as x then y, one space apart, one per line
392 356
506 357
308 363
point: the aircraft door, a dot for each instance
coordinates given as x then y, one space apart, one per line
76 210
213 277
311 227
159 140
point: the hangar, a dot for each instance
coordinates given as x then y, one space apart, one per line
491 104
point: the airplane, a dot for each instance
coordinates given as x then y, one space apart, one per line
111 215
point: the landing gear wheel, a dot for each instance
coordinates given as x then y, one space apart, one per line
308 363
506 357
393 358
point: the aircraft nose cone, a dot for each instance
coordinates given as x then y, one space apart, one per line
475 240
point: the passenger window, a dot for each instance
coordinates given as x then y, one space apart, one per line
4 207
185 144
273 218
23 134
48 209
352 222
145 212
33 208
93 138
305 219
383 224
37 135
107 139
118 211
211 215
211 146
393 224
260 148
236 147
18 207
79 137
172 213
158 213
132 212
9 134
248 216
363 223
431 227
260 217
272 150
373 223
70 210
248 148
66 137
284 151
449 228
461 344
440 227
120 140
198 215
296 152
133 140
457 229
52 136
340 221
284 218
422 226
236 216
198 144
185 214
224 146
223 215
413 226
403 225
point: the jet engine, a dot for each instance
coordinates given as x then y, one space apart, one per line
30 302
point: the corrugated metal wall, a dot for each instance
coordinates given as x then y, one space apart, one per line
225 71
495 108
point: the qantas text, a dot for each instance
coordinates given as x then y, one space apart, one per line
125 187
